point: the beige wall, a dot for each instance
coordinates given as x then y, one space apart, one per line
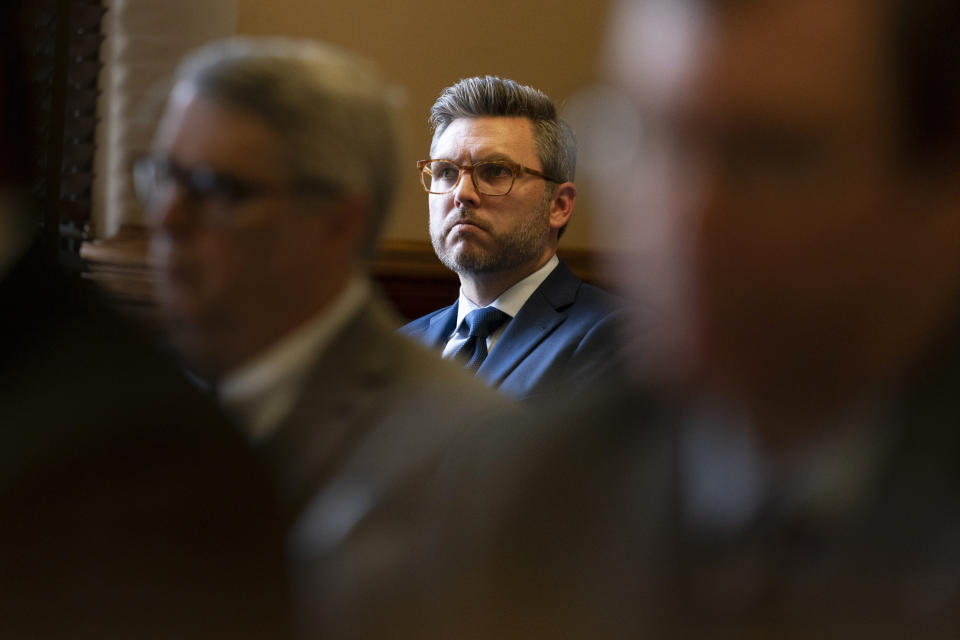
424 46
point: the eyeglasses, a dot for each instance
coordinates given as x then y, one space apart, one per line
153 174
490 178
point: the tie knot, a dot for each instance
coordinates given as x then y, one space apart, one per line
482 322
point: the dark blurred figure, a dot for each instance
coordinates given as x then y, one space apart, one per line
129 508
797 216
270 177
792 202
786 175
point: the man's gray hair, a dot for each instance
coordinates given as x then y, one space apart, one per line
330 110
493 96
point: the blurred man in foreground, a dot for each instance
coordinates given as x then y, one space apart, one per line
795 226
269 179
786 175
798 181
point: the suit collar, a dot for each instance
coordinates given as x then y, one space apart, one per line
261 392
560 288
441 325
543 312
338 403
513 299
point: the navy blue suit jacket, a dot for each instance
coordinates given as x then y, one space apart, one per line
564 339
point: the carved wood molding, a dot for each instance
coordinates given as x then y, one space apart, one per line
61 40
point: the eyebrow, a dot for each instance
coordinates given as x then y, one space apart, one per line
497 156
487 158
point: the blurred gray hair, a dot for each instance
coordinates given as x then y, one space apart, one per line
332 113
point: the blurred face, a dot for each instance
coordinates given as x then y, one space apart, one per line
478 234
762 207
234 265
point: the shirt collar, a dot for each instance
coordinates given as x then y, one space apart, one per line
261 392
511 300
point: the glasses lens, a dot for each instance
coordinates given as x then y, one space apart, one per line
440 176
149 172
222 188
493 178
153 174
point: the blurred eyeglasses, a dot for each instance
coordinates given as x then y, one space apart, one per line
490 178
154 174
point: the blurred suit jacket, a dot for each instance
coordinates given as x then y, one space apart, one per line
352 460
564 339
130 508
579 527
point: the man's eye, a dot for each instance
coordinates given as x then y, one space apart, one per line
228 190
773 157
213 186
445 172
495 171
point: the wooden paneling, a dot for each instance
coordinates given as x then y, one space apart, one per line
61 41
408 272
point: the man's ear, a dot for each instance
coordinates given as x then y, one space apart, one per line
561 205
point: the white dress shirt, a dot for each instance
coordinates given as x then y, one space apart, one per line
262 392
510 302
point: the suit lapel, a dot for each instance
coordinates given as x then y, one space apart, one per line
441 326
382 428
339 402
538 318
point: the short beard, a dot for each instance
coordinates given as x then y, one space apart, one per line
522 245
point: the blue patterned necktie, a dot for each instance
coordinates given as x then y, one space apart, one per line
480 323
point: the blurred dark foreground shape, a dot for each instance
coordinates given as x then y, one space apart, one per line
130 509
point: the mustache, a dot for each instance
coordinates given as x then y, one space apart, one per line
462 215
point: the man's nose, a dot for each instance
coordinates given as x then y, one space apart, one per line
465 193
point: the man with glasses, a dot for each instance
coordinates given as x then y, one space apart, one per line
501 192
268 180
